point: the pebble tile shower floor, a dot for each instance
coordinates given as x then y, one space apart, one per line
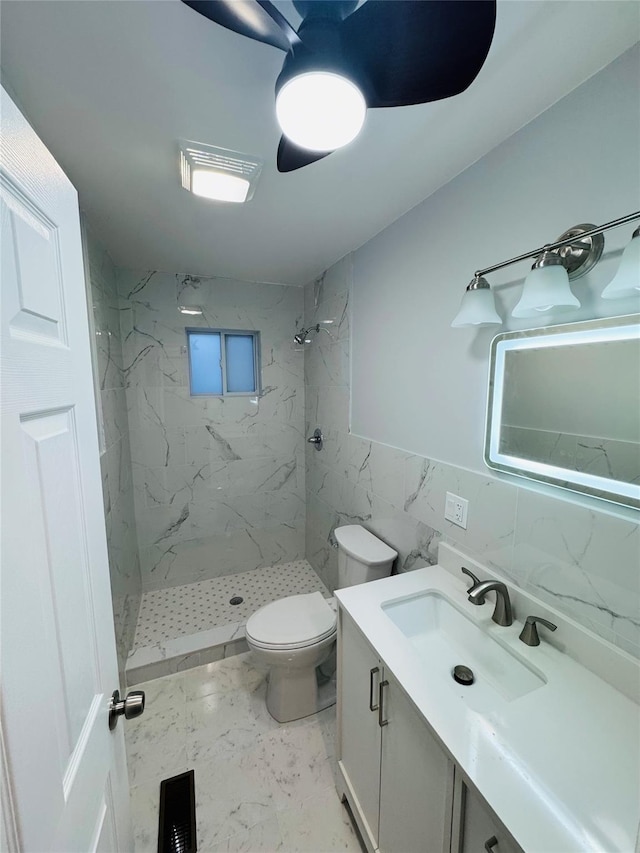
166 614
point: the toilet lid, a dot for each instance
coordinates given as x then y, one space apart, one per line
297 620
362 545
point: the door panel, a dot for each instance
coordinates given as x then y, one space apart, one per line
416 780
479 827
360 732
34 288
66 770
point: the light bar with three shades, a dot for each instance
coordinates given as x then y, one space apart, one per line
547 288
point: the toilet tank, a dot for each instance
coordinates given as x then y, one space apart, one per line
362 556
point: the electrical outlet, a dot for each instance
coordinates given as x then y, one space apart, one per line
455 509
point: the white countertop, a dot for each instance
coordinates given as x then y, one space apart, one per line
560 766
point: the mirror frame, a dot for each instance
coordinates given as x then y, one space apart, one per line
604 329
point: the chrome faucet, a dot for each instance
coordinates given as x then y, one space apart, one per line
502 614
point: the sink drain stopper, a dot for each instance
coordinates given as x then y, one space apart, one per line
463 675
236 599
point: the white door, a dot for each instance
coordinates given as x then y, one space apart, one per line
64 782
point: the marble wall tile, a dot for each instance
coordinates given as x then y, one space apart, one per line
586 562
377 468
115 461
217 481
491 519
583 562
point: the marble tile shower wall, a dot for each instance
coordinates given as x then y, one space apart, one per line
582 561
218 481
115 461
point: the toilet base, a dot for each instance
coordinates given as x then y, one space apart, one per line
293 692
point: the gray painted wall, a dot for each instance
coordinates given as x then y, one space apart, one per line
577 162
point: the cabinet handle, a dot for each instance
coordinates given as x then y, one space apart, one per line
490 844
372 707
381 722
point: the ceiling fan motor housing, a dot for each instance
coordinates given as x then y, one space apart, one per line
321 45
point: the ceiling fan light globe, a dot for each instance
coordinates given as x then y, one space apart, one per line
320 111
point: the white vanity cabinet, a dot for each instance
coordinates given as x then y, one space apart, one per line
478 829
394 774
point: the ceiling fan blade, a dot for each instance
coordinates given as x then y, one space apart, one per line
257 19
408 52
292 157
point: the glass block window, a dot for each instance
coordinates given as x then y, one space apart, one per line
223 362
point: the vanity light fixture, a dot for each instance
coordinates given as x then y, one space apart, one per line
217 173
546 287
478 307
626 281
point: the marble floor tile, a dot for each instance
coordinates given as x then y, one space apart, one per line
234 673
161 760
297 764
260 786
319 825
233 795
145 808
220 725
264 837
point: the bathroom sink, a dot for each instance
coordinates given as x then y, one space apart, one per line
445 637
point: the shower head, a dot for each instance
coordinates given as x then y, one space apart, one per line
301 336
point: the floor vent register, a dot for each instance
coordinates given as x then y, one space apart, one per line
177 825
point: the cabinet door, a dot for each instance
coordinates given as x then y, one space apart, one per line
416 783
360 675
481 832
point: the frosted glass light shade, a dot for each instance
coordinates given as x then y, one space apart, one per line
626 282
218 186
478 308
545 288
320 111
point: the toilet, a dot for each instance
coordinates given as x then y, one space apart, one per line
295 635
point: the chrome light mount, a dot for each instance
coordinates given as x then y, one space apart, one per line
581 254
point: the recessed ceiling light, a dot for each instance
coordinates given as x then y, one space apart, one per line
216 173
184 309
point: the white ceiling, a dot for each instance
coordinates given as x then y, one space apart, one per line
111 86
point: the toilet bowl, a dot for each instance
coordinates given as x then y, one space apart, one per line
292 636
295 635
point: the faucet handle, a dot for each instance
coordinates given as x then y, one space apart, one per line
475 580
529 633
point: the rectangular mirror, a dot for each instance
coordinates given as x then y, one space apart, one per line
564 407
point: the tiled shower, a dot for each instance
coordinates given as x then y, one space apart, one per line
204 496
